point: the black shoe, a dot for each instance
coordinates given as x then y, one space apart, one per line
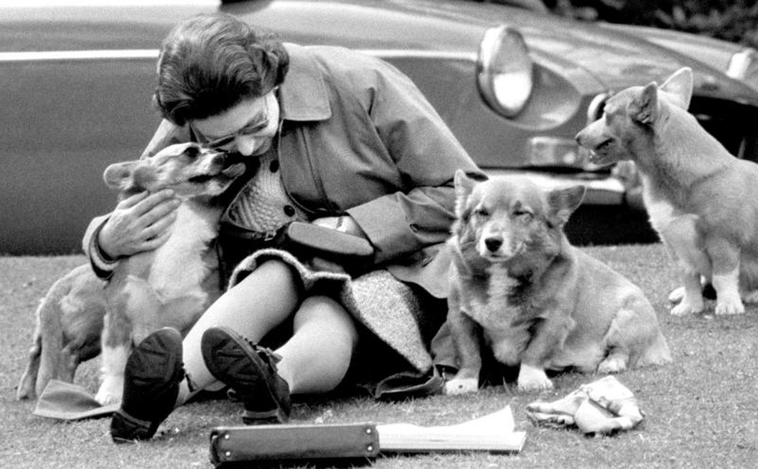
151 385
250 371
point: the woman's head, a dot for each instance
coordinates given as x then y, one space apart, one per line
211 63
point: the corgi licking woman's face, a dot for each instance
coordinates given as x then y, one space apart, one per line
190 169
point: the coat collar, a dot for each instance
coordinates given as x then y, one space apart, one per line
303 95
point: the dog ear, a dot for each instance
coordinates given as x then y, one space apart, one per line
678 87
464 185
643 109
119 175
562 203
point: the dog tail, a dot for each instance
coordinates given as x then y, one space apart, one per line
57 348
26 386
47 344
50 335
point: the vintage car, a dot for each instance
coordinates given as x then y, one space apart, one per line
737 61
514 84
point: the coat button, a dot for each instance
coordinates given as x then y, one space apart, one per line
289 210
274 166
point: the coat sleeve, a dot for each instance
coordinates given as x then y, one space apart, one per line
426 154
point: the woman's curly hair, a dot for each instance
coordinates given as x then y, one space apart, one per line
211 63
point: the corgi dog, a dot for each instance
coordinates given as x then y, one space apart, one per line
702 201
82 316
68 331
520 288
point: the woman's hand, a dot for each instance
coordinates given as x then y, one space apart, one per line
139 223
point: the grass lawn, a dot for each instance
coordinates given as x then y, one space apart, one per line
701 411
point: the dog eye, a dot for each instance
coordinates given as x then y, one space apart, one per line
521 213
481 212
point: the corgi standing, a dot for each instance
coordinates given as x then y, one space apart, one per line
702 201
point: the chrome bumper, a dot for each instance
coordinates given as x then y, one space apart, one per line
559 152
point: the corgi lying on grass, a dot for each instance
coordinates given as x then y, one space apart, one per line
519 288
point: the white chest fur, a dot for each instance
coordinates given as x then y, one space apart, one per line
178 268
663 212
678 229
660 211
492 309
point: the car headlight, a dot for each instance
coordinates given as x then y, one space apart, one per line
743 66
504 70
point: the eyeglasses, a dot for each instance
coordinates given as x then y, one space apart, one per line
249 130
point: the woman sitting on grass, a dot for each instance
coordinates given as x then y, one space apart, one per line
335 138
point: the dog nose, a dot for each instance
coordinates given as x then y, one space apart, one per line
493 244
193 151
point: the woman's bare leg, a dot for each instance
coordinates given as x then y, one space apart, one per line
260 302
318 355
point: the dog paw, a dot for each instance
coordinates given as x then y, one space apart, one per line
110 392
535 385
676 295
729 308
532 379
686 308
461 386
24 393
25 387
612 365
106 398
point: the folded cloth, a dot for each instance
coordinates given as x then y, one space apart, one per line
600 407
66 401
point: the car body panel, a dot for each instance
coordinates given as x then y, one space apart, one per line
76 79
718 54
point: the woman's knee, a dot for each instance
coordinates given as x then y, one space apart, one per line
272 277
326 313
274 271
258 302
